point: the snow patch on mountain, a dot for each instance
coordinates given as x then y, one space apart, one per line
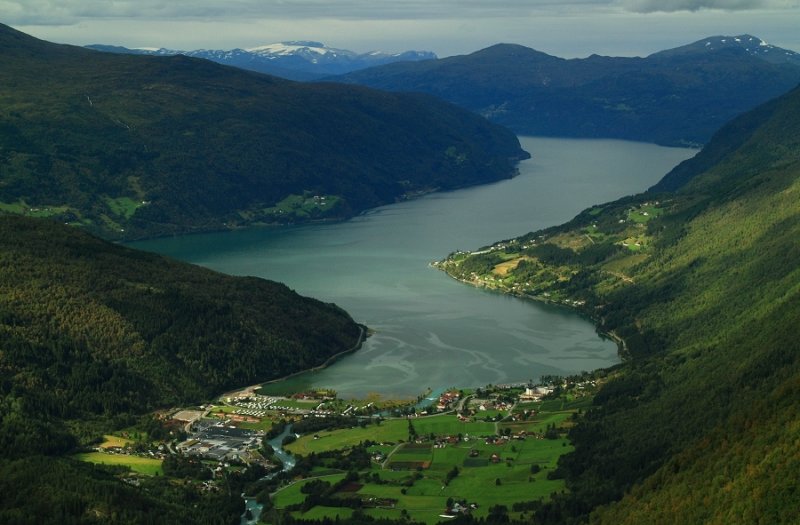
295 59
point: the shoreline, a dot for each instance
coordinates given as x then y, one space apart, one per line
250 389
220 225
622 347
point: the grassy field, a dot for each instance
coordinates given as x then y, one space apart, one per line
123 206
644 213
291 494
448 424
539 423
147 466
392 430
110 441
265 424
508 481
482 480
304 206
21 208
417 478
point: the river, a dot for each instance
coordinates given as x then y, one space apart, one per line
431 331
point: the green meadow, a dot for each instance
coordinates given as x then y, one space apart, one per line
147 466
504 482
417 478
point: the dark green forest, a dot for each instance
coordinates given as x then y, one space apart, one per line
92 329
135 146
702 286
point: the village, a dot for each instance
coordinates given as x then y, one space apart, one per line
452 438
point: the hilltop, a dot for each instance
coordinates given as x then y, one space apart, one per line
674 97
135 146
700 286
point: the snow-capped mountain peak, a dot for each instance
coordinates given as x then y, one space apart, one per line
754 46
749 44
297 47
294 59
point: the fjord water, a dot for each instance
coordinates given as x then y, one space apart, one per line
431 331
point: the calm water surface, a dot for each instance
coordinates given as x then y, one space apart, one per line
431 331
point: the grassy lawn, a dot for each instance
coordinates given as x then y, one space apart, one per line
227 409
147 466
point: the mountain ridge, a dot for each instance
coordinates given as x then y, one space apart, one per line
139 146
294 60
673 97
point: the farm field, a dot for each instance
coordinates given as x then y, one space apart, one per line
415 476
421 468
110 441
392 430
147 466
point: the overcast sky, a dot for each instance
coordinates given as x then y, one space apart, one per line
567 28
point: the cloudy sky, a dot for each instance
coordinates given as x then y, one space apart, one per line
568 28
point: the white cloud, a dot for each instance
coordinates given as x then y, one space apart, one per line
55 12
666 6
70 11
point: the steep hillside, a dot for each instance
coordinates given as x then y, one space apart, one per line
702 285
90 329
132 146
679 96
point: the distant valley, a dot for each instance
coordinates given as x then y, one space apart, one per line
679 96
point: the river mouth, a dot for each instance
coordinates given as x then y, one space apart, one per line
429 330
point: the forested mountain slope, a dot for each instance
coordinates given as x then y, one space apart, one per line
700 424
90 329
133 146
674 97
95 336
